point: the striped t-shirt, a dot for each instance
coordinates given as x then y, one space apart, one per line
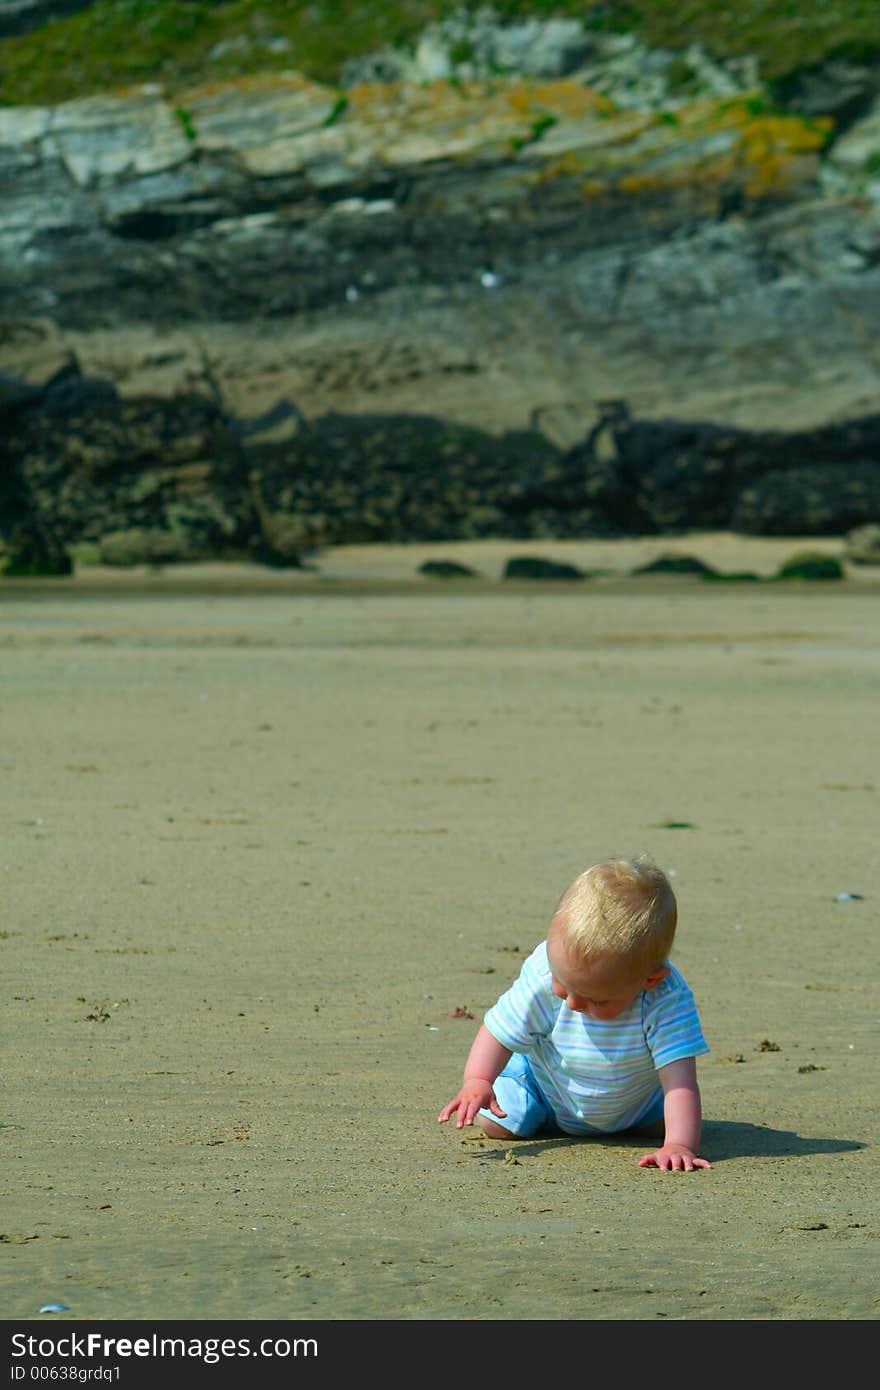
596 1075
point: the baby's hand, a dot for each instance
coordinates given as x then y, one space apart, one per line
675 1158
474 1096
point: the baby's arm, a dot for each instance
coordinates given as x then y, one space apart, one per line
682 1115
486 1059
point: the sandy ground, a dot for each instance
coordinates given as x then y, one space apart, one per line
264 834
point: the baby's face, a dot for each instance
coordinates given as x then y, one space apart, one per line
601 989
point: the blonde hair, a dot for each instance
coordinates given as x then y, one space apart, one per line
623 908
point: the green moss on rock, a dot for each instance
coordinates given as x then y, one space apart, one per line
116 43
811 564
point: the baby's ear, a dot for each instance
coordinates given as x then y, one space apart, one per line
656 976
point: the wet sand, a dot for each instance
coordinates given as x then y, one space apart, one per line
265 834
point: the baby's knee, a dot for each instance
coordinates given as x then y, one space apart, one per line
493 1130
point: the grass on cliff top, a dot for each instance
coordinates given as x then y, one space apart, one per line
119 43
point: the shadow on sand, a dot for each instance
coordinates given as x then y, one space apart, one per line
722 1139
739 1139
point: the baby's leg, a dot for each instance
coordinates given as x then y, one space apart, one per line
526 1111
493 1130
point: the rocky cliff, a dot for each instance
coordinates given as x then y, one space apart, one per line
271 313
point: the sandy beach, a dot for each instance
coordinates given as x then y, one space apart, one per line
274 841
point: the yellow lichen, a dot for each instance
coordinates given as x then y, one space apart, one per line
562 98
632 153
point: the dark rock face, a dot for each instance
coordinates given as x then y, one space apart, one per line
409 477
676 564
78 462
684 475
819 499
447 569
811 566
182 477
536 567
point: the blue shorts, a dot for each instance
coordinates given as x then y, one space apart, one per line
527 1111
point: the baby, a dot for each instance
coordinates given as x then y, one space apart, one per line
599 1033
